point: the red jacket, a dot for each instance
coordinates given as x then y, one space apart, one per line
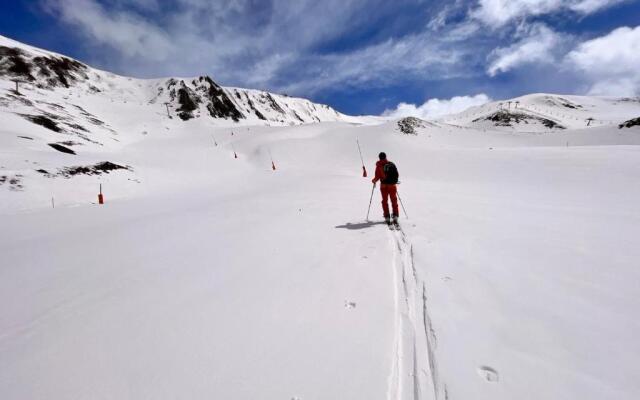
380 171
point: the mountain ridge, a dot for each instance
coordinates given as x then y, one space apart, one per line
188 98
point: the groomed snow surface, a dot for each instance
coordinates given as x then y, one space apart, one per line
516 275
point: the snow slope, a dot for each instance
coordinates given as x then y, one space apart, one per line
559 113
209 276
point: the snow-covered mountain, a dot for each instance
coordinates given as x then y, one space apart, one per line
544 112
41 73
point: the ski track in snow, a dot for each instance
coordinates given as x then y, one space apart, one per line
414 373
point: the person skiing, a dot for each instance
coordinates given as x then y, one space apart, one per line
387 174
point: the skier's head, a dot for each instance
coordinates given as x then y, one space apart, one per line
382 156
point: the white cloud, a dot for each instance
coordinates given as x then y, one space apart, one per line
412 57
131 35
591 6
611 63
434 108
537 47
497 13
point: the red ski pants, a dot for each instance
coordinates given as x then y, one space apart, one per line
389 191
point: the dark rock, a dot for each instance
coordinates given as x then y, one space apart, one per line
43 121
15 182
104 167
255 110
409 125
60 71
12 63
61 148
506 118
45 71
219 104
187 104
272 102
630 123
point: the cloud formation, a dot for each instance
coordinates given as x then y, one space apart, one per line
434 108
130 34
537 46
497 13
610 62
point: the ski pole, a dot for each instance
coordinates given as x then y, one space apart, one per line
364 170
370 200
402 204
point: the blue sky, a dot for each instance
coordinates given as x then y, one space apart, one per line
414 57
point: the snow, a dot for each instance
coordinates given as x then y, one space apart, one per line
206 276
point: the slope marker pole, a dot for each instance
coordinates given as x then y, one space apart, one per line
100 196
364 170
273 165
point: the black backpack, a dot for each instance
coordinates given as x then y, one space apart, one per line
390 173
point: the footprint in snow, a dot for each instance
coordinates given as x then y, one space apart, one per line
349 304
488 374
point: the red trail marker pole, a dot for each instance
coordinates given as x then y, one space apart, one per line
364 170
100 196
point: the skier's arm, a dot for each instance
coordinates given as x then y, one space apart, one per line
379 174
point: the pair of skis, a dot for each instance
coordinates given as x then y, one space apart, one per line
394 225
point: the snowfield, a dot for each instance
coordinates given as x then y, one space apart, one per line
206 276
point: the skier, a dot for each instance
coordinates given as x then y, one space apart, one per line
387 174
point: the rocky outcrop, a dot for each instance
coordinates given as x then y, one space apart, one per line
508 118
630 123
409 125
43 71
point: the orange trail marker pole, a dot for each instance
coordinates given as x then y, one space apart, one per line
235 155
364 170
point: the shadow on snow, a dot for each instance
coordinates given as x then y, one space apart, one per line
360 225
